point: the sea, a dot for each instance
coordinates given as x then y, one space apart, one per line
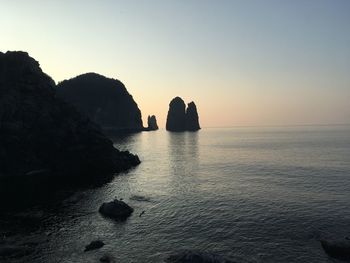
250 194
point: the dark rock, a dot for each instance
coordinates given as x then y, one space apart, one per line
96 244
190 256
140 198
42 135
104 100
339 249
7 251
152 123
192 120
176 119
107 259
181 119
116 209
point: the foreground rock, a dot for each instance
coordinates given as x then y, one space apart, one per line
104 100
339 249
41 135
94 245
179 119
152 123
116 209
189 256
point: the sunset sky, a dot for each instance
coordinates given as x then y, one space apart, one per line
245 62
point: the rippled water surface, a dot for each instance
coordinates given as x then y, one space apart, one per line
253 195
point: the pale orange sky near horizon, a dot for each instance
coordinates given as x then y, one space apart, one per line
242 62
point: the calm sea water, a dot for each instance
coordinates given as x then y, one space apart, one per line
251 194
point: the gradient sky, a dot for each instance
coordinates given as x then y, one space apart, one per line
245 62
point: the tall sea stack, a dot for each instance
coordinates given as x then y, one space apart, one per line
41 134
176 119
181 119
192 122
152 123
104 100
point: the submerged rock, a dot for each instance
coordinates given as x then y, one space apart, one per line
116 209
190 256
107 259
181 119
105 101
42 135
152 123
9 251
339 249
96 244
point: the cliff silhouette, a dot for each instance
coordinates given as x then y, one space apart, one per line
40 134
181 119
104 100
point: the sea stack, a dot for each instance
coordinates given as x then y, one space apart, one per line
192 120
181 119
104 100
152 123
43 135
176 119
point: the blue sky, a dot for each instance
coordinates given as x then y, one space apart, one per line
243 62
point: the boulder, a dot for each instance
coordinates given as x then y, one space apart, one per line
116 209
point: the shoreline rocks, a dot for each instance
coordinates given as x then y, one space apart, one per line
41 135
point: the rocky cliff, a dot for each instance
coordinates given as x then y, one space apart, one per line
42 134
181 119
104 100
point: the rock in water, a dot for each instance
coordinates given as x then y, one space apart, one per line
179 119
116 209
152 123
192 120
94 245
190 256
176 119
40 132
339 249
104 100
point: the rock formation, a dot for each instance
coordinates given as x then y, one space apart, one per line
104 100
176 119
116 209
152 123
179 119
41 134
192 122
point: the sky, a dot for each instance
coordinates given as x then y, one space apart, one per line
243 62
